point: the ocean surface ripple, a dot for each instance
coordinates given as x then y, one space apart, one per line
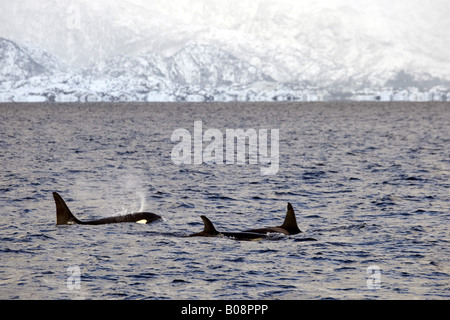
369 181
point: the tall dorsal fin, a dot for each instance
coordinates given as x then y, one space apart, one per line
209 227
290 222
63 214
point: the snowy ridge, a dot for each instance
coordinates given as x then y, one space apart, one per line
194 73
208 66
16 63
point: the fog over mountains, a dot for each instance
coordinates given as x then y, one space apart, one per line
229 49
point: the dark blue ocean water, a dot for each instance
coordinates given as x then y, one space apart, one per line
369 181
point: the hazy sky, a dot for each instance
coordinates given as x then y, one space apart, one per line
18 17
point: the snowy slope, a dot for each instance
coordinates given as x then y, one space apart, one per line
195 73
341 44
16 63
210 66
193 65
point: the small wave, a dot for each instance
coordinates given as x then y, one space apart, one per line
357 226
186 205
286 193
219 197
305 239
144 275
239 259
180 281
313 175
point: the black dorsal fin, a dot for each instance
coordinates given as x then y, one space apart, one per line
290 222
63 214
209 227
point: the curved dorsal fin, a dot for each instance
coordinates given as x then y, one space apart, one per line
63 214
290 222
209 227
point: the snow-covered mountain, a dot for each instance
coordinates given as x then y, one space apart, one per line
16 62
205 66
209 66
345 44
195 73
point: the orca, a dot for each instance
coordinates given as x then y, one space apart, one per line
65 216
210 231
288 227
